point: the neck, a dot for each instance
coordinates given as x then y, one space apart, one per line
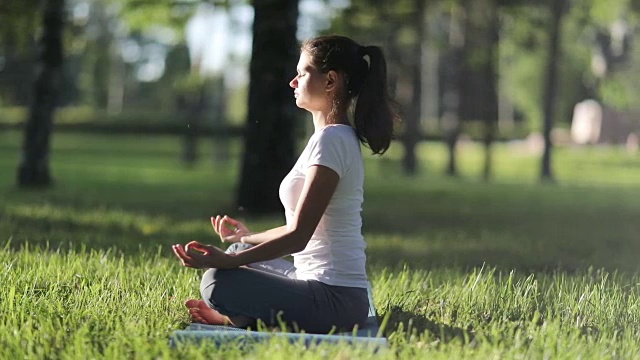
321 120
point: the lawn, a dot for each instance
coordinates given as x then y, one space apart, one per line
463 268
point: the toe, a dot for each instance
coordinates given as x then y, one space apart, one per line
192 303
199 319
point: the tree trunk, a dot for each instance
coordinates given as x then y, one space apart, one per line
489 136
451 86
269 143
33 170
101 64
191 106
490 99
478 82
412 131
550 89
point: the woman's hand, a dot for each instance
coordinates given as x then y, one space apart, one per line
200 256
230 230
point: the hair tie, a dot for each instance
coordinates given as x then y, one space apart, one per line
363 51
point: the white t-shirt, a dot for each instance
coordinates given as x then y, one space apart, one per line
335 254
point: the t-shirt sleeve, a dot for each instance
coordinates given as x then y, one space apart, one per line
330 150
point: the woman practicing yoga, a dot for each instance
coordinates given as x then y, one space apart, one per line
343 85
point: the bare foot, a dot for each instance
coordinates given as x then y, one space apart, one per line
201 313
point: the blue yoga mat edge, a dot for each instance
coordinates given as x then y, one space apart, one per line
222 337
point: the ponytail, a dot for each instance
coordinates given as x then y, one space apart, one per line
374 116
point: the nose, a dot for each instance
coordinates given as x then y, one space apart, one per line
294 82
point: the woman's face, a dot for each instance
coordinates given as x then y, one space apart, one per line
310 86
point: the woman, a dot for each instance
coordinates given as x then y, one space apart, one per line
322 197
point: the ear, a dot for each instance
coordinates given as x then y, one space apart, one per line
333 79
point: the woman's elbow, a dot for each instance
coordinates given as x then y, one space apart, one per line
300 239
298 248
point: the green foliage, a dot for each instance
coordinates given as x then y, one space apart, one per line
361 17
18 23
464 269
620 87
614 93
143 15
523 48
605 12
191 84
523 58
523 53
576 76
617 88
384 24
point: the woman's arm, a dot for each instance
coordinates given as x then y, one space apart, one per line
319 186
231 230
259 238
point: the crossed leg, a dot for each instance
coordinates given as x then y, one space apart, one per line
201 313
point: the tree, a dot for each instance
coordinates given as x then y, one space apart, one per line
412 131
451 86
478 88
557 8
18 21
490 114
34 167
269 143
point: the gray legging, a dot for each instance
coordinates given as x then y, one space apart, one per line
269 291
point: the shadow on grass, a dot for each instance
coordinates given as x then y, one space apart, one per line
412 323
510 230
131 236
67 233
181 203
466 259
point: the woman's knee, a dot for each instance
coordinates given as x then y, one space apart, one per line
216 286
217 290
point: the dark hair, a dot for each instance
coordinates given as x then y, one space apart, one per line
374 115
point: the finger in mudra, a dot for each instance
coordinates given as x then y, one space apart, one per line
229 229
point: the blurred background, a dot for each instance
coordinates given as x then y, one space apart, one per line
530 75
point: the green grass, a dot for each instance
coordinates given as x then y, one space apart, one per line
463 268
